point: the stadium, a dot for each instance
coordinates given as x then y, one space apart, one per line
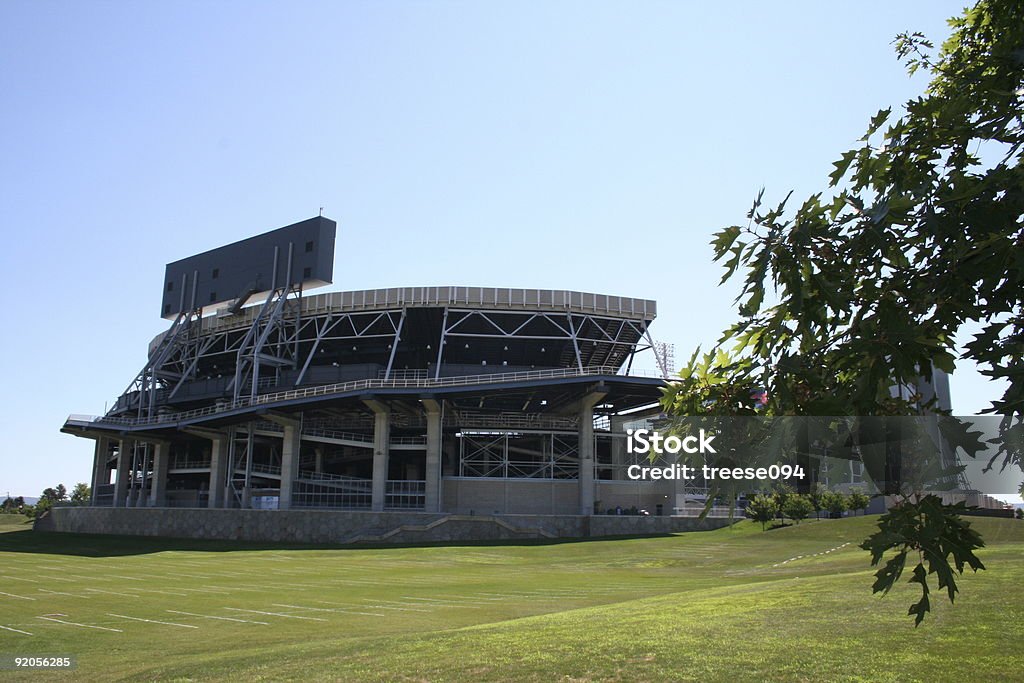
463 401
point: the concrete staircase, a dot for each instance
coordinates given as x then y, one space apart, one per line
437 531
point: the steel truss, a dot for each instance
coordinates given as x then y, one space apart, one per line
596 340
170 362
182 350
254 357
355 326
271 340
518 455
243 463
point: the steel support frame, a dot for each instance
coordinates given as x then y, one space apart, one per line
271 330
276 339
486 454
605 332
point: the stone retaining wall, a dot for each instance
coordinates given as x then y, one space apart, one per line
337 526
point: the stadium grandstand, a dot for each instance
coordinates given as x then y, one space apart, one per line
463 400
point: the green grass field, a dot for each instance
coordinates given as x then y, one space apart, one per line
792 604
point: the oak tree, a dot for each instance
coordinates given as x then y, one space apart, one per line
864 287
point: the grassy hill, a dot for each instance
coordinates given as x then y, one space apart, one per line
789 604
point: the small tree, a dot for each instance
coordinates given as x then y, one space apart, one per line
41 506
761 508
858 500
834 502
798 507
782 494
815 498
81 494
54 495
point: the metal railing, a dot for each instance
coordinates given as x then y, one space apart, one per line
351 493
264 468
405 494
490 298
185 463
359 385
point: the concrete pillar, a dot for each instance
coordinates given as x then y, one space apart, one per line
586 450
100 473
138 494
289 463
158 483
124 455
218 472
617 429
318 460
432 497
381 443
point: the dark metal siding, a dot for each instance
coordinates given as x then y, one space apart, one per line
249 263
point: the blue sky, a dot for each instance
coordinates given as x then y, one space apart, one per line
581 145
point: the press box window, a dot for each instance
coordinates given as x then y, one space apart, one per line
167 309
309 246
170 286
216 273
213 297
307 273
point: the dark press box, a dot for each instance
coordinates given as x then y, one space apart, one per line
247 269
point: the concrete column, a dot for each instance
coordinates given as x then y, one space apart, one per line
617 424
124 455
138 495
100 473
586 450
218 470
432 498
289 463
381 443
158 483
318 460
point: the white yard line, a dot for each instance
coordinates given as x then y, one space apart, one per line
462 600
274 614
73 623
12 595
8 628
100 590
73 595
193 576
210 616
400 602
150 621
17 578
57 578
398 609
331 609
126 578
445 603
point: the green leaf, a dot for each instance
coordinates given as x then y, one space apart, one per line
841 167
876 122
